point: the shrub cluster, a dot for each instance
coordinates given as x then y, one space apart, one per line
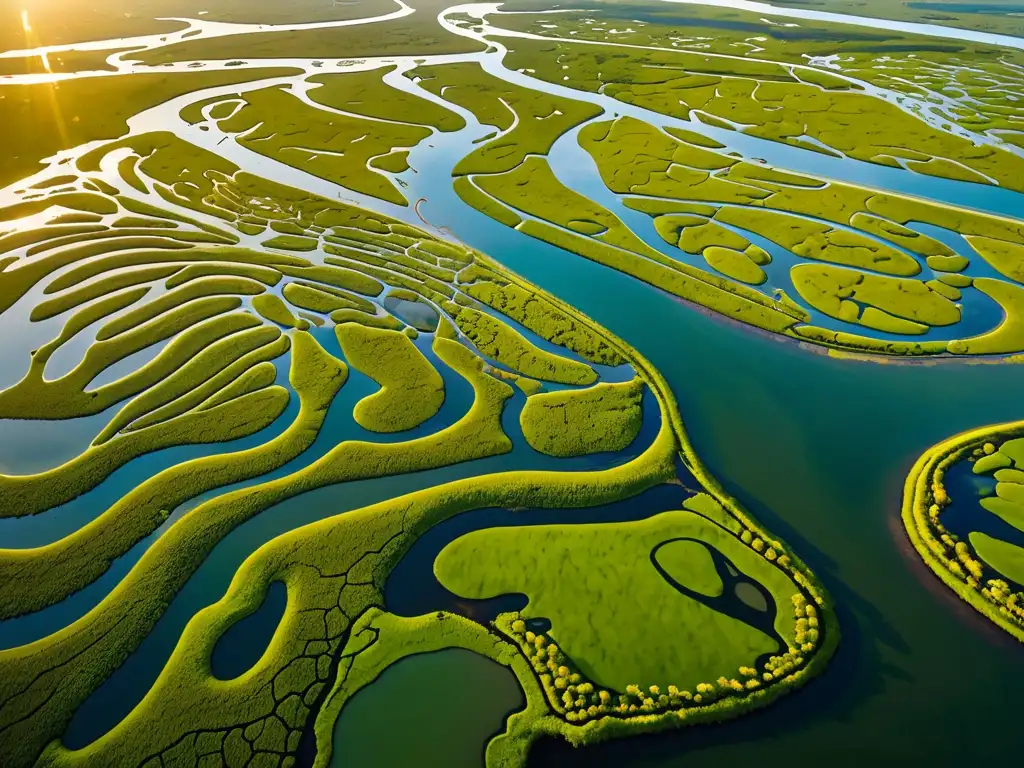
579 700
955 554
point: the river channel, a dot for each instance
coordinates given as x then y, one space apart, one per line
816 447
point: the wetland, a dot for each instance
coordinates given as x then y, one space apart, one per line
528 386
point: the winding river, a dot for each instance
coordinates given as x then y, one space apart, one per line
816 447
832 17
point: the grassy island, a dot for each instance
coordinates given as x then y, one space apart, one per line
605 417
224 257
859 263
411 389
985 571
217 318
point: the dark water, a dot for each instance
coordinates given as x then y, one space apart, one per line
818 448
242 645
966 515
405 719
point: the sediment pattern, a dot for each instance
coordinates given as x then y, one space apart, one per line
232 280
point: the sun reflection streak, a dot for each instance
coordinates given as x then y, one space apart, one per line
51 89
58 117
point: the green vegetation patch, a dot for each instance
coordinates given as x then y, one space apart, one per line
937 253
473 196
386 321
577 422
634 157
1006 558
197 289
537 313
291 243
266 275
1006 337
393 162
1006 257
690 563
87 293
333 146
499 341
416 34
43 118
841 293
814 240
411 388
535 190
271 307
366 94
735 264
314 299
672 638
338 277
531 120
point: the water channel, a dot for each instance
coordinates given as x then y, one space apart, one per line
816 447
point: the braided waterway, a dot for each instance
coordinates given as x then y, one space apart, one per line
815 447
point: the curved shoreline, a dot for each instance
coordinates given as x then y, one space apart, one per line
925 576
841 353
911 27
721 709
831 637
924 496
87 651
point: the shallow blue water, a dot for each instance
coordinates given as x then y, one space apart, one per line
815 446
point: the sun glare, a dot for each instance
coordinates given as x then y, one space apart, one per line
24 21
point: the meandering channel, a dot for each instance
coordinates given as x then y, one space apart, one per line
829 438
